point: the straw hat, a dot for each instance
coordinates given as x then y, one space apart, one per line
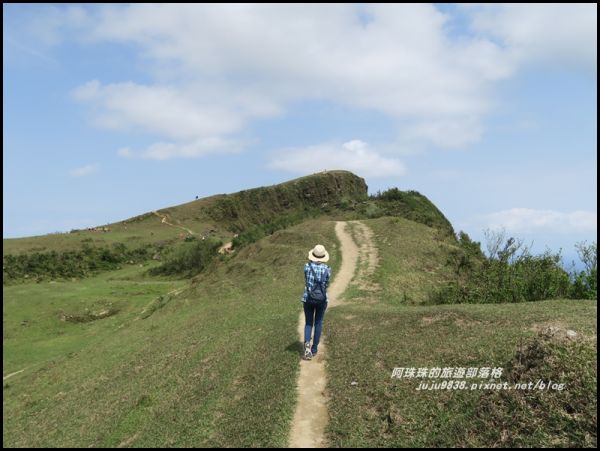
318 254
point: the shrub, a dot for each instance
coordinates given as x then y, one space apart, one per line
190 260
509 274
585 283
79 263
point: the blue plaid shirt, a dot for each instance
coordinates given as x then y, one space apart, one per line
323 273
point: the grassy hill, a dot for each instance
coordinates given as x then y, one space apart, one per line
338 194
242 217
219 216
120 357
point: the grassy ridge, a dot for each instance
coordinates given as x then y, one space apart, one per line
323 191
215 365
412 260
410 205
217 216
148 231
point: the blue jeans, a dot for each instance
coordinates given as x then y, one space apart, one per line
314 316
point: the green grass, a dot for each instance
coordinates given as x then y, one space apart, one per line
410 205
412 260
149 231
383 412
380 329
215 365
34 328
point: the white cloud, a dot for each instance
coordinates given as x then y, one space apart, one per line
217 67
240 62
125 152
47 25
165 110
355 156
87 92
528 220
31 33
562 34
448 133
83 171
195 149
200 120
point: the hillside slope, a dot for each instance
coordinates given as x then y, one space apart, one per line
214 365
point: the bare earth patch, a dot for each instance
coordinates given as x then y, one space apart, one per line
127 442
538 327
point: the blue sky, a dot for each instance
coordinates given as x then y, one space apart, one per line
115 110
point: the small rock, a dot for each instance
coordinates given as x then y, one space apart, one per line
353 383
571 334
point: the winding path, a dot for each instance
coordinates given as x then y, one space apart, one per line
310 417
164 221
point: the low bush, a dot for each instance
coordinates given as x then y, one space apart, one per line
190 259
79 263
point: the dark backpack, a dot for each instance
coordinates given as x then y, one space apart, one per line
317 294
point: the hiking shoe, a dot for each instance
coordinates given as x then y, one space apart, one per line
307 352
313 351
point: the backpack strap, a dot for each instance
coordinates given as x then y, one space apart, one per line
317 281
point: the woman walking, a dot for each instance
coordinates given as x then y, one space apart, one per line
316 275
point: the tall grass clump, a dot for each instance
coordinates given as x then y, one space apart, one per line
189 260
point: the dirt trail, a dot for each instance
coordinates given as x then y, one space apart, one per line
164 221
310 417
368 256
12 374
